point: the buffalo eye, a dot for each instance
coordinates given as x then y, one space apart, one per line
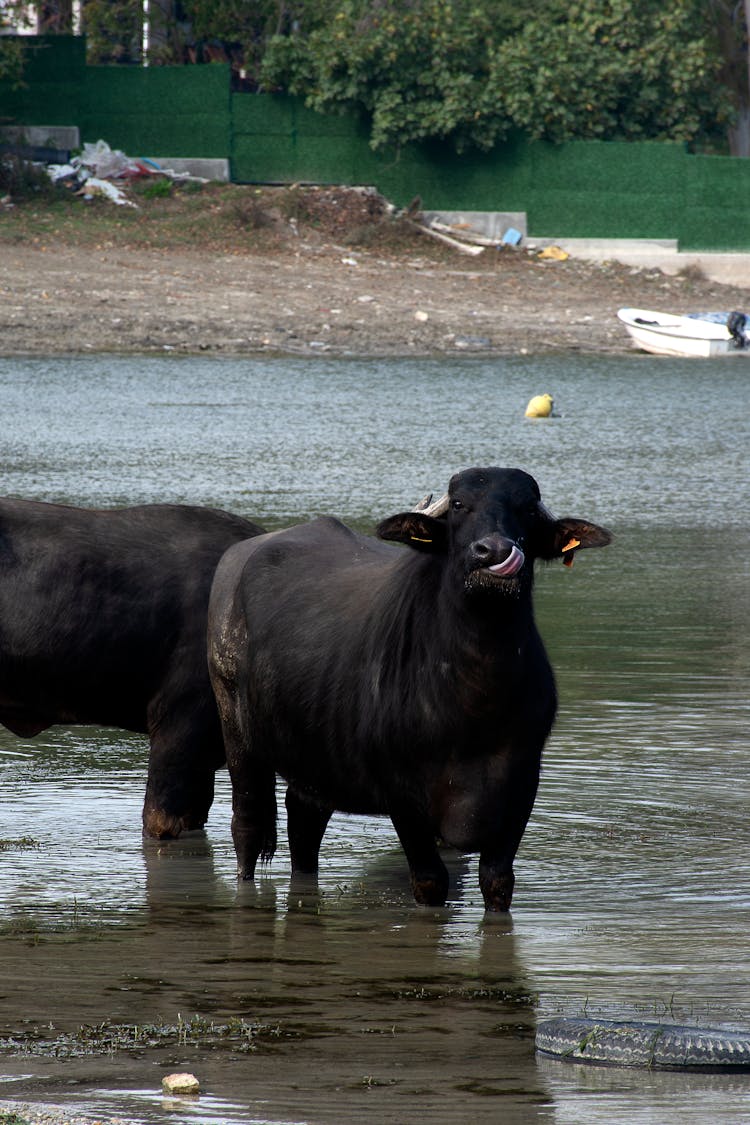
456 505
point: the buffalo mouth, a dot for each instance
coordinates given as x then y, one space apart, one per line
502 575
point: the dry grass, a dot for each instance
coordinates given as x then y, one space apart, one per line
693 272
217 218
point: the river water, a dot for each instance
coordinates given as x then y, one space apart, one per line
122 960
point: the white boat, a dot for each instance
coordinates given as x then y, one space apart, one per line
695 334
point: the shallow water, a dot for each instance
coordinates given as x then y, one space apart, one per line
350 1002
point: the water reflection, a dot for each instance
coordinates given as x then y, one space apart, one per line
372 1010
639 1097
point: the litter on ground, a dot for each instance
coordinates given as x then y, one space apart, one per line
97 166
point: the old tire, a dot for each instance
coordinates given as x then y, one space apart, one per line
655 1045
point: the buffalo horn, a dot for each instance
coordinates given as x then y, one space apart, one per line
436 508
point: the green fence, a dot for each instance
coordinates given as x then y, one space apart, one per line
54 75
574 190
582 189
159 111
717 204
154 111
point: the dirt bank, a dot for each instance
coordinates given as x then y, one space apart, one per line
274 283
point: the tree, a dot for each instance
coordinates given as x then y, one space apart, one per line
54 17
234 30
468 71
731 21
416 67
114 31
11 49
11 62
190 31
618 69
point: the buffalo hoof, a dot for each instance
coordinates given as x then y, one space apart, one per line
165 826
497 893
429 892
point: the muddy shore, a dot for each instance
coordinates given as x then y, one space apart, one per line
313 298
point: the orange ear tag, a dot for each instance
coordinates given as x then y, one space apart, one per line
570 546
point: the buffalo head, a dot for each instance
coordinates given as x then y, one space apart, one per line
491 525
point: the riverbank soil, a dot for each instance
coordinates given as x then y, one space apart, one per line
232 269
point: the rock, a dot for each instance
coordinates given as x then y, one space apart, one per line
180 1084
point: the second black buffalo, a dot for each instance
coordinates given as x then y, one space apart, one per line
410 683
103 622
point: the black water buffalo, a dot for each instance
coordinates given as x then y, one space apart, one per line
411 683
103 622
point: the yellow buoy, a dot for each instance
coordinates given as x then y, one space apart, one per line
540 406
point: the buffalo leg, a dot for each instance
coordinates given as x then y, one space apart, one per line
184 755
429 876
253 782
496 878
496 882
253 817
306 825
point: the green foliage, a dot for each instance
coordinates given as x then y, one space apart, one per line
113 31
233 21
611 70
418 69
471 70
466 72
11 62
239 26
239 30
21 180
22 841
158 189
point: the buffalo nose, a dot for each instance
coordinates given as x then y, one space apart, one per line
490 550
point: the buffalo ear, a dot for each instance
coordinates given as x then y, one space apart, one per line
570 535
424 533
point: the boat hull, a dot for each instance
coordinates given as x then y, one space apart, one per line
663 334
